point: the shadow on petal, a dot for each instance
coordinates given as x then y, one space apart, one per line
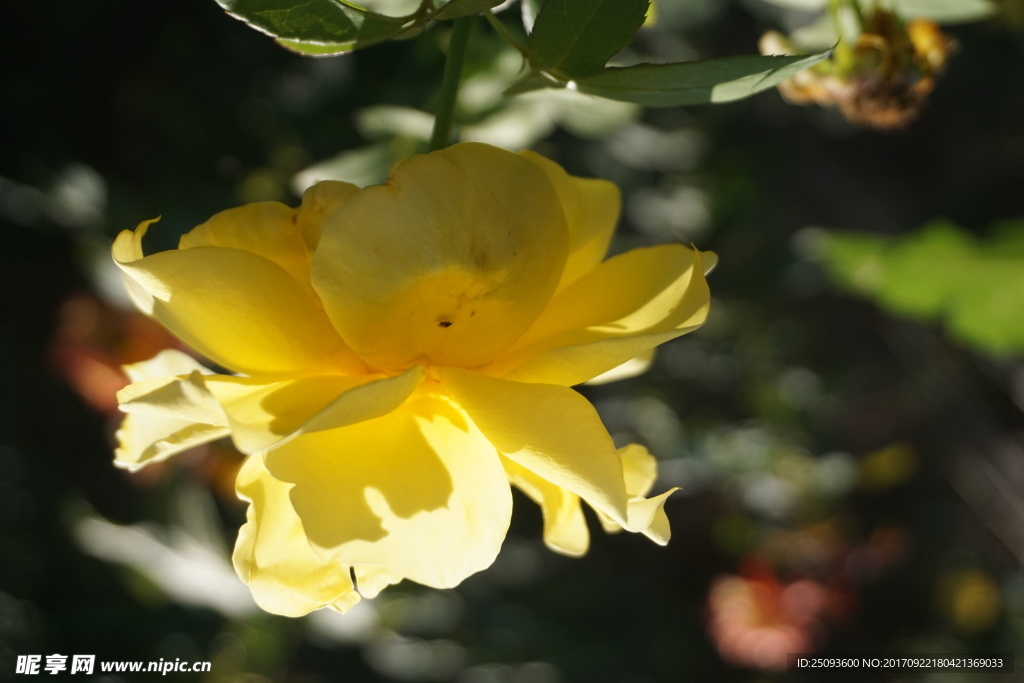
418 491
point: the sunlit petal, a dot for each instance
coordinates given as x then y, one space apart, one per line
370 581
233 306
565 527
551 431
319 203
273 556
646 515
619 310
167 363
448 263
591 210
267 229
418 492
639 469
166 415
633 367
265 411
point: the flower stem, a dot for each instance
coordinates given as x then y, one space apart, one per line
500 29
445 112
843 50
857 10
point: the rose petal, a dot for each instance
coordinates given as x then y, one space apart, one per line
448 263
418 492
264 412
591 208
551 431
619 310
273 555
233 306
166 415
565 527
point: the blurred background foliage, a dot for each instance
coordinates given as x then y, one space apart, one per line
846 429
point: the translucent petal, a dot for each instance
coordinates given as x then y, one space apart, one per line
273 556
633 367
267 229
167 363
619 310
565 527
264 412
591 210
647 515
319 203
142 440
639 469
418 492
448 263
370 581
233 306
551 431
165 415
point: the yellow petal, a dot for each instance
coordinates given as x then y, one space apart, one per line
591 210
165 414
370 581
319 203
619 310
639 469
551 431
233 306
273 556
565 527
142 440
267 229
419 492
127 247
264 412
576 364
646 515
633 367
448 263
167 363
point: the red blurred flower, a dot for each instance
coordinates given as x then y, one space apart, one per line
755 620
91 342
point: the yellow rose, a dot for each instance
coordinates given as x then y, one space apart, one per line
403 352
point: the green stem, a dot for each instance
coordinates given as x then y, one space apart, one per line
857 10
502 31
843 51
445 112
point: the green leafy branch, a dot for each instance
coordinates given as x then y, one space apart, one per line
569 44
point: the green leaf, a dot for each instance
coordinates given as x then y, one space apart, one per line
688 83
317 49
940 272
531 82
530 9
576 37
463 8
301 25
